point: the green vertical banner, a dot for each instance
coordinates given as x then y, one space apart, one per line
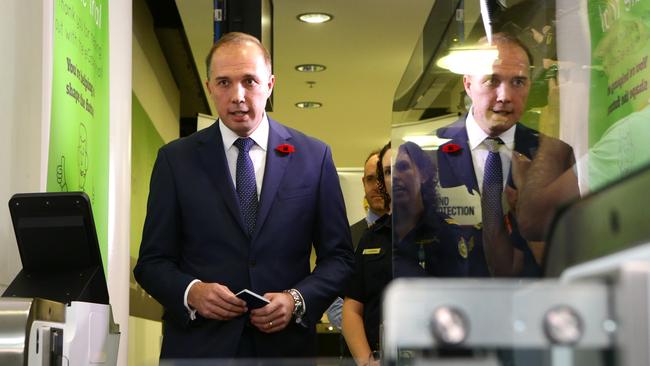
79 128
620 46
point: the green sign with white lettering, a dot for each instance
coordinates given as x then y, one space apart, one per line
79 127
619 96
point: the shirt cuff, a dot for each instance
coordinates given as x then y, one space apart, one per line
192 312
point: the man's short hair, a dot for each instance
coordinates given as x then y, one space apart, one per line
372 153
507 38
236 38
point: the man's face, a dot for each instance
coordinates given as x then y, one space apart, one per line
374 198
385 162
499 99
239 85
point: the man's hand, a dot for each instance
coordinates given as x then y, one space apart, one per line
215 301
275 316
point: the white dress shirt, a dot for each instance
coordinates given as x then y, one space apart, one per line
258 156
257 151
480 151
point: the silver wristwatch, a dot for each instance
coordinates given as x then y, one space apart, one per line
298 304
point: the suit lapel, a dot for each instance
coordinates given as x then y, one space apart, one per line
526 143
459 163
213 158
276 165
526 140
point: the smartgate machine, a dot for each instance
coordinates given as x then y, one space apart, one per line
593 307
56 311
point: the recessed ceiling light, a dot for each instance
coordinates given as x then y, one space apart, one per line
309 105
310 68
315 18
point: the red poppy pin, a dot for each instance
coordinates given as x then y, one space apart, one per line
451 148
285 148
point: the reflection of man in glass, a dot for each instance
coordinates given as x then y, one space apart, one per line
622 149
499 96
547 185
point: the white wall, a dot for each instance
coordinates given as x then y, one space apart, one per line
119 185
21 115
353 193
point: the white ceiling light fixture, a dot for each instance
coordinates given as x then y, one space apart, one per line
315 18
470 61
309 105
310 68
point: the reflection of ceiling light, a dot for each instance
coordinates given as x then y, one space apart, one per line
309 105
310 68
469 61
426 142
315 18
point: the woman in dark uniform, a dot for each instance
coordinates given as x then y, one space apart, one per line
424 241
362 303
424 245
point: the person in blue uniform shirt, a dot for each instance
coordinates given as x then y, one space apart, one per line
419 243
238 206
492 243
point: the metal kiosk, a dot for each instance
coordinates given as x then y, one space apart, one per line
56 311
592 309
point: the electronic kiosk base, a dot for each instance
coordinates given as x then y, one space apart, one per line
56 311
593 309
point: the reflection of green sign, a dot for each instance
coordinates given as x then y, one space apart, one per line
78 152
620 43
618 105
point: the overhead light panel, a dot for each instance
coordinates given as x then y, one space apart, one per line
469 61
315 18
309 105
310 68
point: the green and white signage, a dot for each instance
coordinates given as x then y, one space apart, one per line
79 129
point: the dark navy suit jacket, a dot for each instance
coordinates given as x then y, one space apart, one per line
194 230
456 169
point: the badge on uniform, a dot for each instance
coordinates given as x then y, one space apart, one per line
369 251
462 248
427 241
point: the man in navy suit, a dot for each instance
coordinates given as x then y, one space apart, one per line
201 244
498 97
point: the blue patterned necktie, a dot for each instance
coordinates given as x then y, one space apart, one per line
246 185
492 182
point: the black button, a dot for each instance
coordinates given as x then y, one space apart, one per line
252 263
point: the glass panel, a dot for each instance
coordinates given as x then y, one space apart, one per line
508 110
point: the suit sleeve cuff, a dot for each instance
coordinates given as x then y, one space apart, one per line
191 312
